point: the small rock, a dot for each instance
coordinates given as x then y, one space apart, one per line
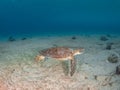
96 77
113 58
11 39
103 38
73 37
23 38
109 46
118 70
108 35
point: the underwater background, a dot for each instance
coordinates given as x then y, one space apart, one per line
44 17
60 27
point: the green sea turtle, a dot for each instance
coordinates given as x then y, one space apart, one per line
61 53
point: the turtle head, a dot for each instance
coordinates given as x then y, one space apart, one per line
39 57
78 51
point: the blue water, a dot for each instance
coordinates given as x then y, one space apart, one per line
59 16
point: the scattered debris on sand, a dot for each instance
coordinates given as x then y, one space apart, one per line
18 71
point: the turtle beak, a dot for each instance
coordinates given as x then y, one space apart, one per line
81 50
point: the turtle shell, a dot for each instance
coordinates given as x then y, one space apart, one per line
57 52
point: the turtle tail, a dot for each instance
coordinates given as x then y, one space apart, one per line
72 66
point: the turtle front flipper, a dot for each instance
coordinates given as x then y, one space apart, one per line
72 66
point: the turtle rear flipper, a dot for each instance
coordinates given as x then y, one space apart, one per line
72 66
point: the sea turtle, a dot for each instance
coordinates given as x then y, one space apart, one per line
61 53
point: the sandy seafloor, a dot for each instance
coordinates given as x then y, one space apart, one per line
19 71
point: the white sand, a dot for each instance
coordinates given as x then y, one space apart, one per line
19 71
